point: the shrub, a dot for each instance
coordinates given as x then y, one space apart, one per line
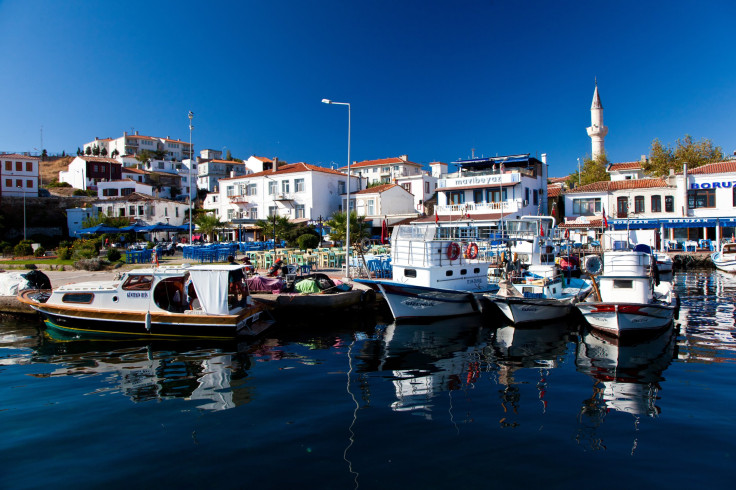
39 252
113 255
8 250
23 249
85 249
307 241
64 253
88 264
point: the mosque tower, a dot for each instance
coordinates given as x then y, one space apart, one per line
597 131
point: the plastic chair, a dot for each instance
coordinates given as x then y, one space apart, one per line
305 269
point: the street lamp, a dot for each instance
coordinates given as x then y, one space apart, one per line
191 155
24 212
347 221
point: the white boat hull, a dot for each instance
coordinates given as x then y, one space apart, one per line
528 310
621 318
727 265
413 302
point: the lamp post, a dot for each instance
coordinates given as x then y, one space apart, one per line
24 212
347 221
191 155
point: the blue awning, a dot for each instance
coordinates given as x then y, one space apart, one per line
692 222
634 224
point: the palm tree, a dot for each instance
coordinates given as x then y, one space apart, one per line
281 224
359 229
208 223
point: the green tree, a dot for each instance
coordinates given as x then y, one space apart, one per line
228 155
284 227
79 151
44 155
114 153
693 153
591 171
103 152
88 151
144 156
359 229
208 223
96 151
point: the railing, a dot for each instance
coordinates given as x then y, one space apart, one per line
501 206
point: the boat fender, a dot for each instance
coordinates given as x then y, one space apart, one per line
593 264
472 250
453 251
148 321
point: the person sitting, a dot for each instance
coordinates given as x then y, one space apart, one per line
235 278
248 266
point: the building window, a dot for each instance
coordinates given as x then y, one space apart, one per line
457 197
9 166
176 212
272 211
127 191
406 186
29 184
131 210
166 211
121 212
341 187
371 207
161 165
701 198
8 182
426 187
230 214
109 210
271 188
284 186
140 210
535 195
29 166
638 204
109 192
385 170
622 207
253 213
19 166
299 211
656 204
298 185
251 190
669 204
586 207
478 196
18 183
230 190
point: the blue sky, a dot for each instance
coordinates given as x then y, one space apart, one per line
429 79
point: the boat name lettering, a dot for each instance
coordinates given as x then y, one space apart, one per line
474 280
137 295
419 303
714 185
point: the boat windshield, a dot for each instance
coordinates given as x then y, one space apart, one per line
138 282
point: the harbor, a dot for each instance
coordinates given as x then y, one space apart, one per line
325 397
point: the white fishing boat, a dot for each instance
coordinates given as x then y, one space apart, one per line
725 260
439 269
162 302
630 296
664 262
539 293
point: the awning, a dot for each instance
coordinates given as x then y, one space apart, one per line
692 222
634 224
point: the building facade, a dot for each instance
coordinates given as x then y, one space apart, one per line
85 172
19 175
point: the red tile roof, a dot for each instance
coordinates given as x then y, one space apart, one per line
592 223
618 185
263 159
624 166
715 168
377 189
18 156
556 180
134 170
554 190
87 158
227 161
382 161
289 169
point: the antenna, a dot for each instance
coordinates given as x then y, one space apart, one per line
41 138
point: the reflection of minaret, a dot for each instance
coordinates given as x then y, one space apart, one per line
597 131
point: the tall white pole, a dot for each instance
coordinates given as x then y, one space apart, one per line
191 155
347 223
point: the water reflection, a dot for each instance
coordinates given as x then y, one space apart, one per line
213 376
626 377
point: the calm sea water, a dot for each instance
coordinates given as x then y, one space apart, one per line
363 404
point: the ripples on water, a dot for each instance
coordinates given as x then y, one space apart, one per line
362 403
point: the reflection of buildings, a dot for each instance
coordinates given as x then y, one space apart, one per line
626 376
141 373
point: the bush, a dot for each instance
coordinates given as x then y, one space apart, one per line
81 192
88 264
64 253
39 252
307 241
85 249
8 250
23 249
113 255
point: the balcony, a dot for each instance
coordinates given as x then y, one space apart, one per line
283 197
511 206
238 199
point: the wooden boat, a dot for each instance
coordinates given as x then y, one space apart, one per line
151 303
725 260
313 301
630 297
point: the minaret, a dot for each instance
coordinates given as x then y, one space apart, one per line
597 131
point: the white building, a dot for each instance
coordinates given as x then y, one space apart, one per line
143 207
133 144
19 175
85 172
212 168
390 201
124 187
75 218
627 170
492 188
399 170
296 191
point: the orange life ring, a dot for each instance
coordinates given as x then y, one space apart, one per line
453 251
472 251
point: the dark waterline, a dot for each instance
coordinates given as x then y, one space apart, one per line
365 404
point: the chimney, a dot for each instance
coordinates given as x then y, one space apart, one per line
232 174
136 133
275 164
544 158
643 159
125 133
404 158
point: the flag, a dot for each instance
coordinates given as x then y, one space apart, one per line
554 210
436 217
605 221
384 232
541 229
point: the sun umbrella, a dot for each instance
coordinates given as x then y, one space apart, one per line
93 230
384 232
